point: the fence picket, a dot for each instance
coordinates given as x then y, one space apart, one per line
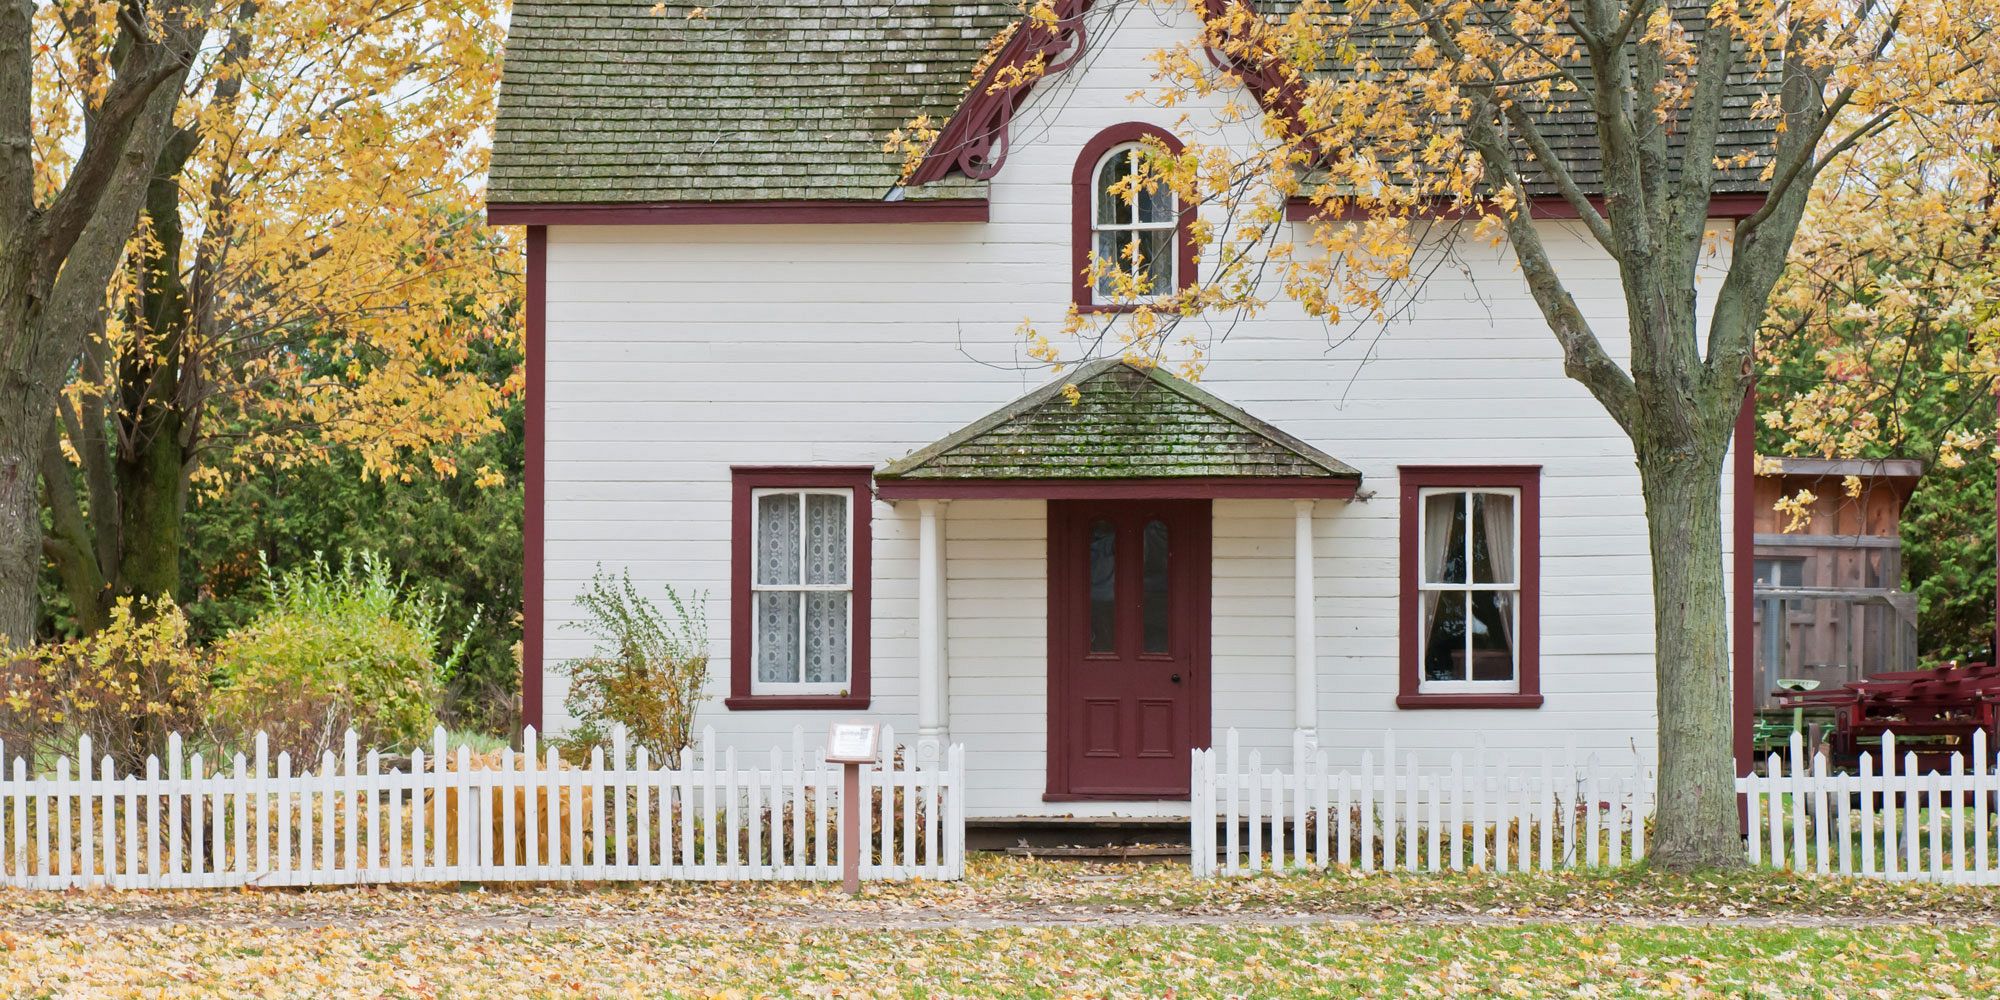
1983 789
1956 790
1367 824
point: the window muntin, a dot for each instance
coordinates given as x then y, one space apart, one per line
802 591
1469 589
1133 233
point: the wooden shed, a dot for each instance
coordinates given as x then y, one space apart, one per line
1835 582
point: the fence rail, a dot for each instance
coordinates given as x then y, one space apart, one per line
457 816
1392 815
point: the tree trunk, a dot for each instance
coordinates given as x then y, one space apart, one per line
152 489
23 425
1697 822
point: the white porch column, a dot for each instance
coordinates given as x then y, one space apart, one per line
930 624
1305 662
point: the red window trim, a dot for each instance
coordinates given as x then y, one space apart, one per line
1083 201
1412 479
745 478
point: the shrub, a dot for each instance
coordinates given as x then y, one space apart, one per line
646 674
334 649
125 686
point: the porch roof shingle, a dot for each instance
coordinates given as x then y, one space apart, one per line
1128 422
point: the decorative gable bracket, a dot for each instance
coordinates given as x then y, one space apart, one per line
974 141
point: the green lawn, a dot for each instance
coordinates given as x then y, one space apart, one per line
1025 928
1325 959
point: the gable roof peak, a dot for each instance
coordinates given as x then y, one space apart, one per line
1129 420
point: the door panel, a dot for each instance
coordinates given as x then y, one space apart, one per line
1128 646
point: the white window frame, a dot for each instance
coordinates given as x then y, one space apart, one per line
1173 224
1468 686
759 686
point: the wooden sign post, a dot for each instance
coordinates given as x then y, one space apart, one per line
852 744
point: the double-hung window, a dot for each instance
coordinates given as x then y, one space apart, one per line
1132 237
1133 228
803 589
799 632
1470 547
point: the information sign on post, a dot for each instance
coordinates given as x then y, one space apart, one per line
852 744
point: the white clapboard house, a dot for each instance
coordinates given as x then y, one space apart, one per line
762 367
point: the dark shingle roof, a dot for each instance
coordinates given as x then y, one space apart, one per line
603 100
1127 423
1569 124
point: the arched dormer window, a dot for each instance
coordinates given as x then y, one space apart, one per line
1111 224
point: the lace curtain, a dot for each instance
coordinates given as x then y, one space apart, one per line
801 582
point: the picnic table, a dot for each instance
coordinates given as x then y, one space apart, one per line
1932 713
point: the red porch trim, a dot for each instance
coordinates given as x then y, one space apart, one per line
1191 488
535 316
1410 481
743 479
1083 205
1743 562
728 213
1722 206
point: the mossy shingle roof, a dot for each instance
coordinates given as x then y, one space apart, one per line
1127 423
605 101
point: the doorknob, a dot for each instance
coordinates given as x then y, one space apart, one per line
1176 678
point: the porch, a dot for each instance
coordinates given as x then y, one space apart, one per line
1097 567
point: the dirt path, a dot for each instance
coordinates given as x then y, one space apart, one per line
375 918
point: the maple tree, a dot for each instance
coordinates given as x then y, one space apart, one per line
1412 126
310 272
1884 341
67 208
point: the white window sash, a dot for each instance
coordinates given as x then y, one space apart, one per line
801 687
1468 686
1172 222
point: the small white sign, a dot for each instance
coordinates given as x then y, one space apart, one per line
853 743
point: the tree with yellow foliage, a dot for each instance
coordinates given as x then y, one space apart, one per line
310 266
71 186
1412 124
1884 341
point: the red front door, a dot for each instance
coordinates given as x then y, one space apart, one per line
1128 646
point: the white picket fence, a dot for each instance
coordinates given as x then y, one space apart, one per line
1492 814
463 817
1395 815
1901 823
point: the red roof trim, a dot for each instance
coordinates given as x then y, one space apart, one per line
973 141
1191 488
730 213
1722 206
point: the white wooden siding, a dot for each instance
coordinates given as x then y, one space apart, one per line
675 352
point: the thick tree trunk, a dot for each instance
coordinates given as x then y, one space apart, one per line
23 425
152 489
1697 822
